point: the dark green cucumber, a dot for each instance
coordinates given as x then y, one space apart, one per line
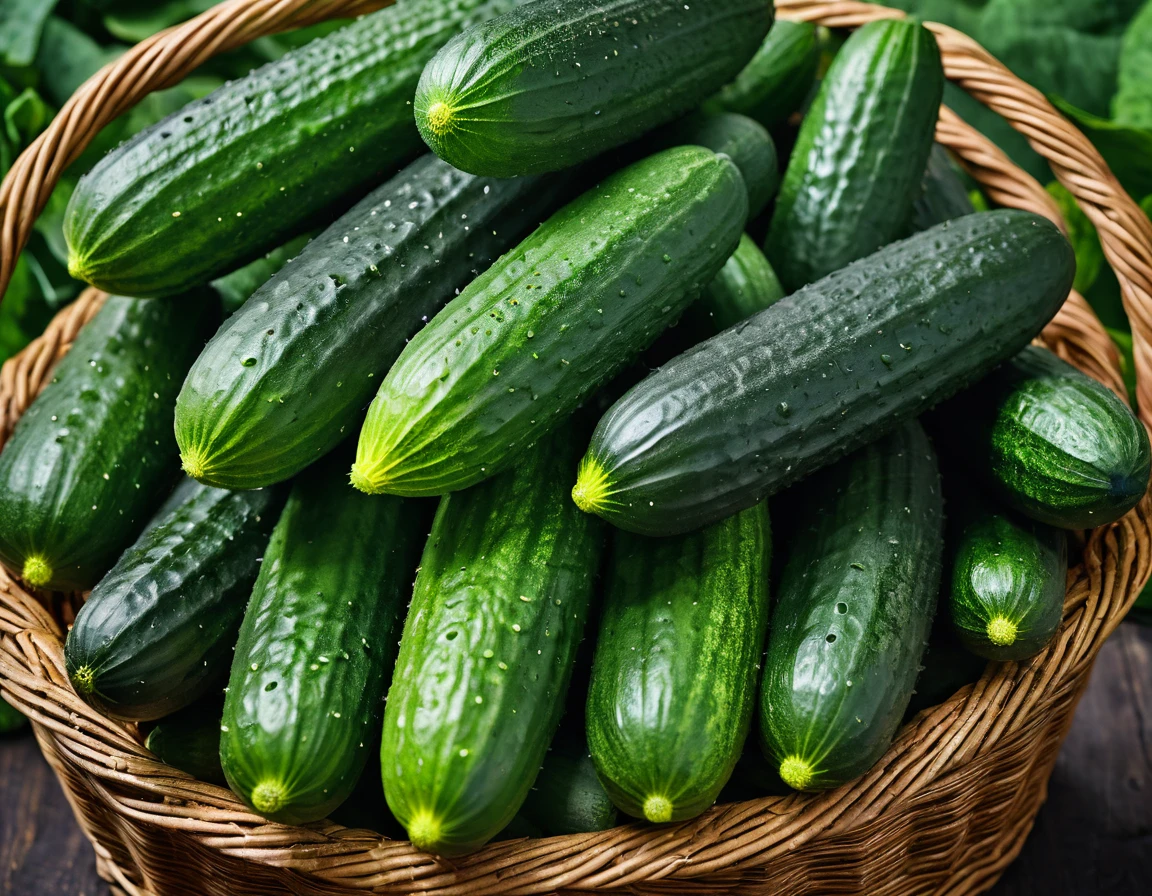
561 314
856 600
235 288
674 679
743 140
230 176
943 195
10 719
289 375
745 286
859 158
550 85
305 697
778 79
488 647
567 797
93 455
189 740
157 631
798 386
1052 442
1006 594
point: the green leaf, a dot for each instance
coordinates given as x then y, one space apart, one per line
22 21
1127 150
1082 234
25 117
67 58
1132 104
137 19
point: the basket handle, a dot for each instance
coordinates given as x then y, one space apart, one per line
1125 232
153 64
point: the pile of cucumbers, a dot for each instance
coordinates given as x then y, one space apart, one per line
612 331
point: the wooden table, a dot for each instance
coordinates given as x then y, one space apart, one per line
1092 838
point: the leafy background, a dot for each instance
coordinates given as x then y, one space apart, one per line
1093 58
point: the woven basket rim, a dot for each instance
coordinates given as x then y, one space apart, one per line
959 740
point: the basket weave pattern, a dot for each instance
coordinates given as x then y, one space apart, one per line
945 811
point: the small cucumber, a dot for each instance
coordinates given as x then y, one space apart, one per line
743 140
526 342
567 797
487 651
943 194
1052 442
93 455
305 696
793 388
1006 594
778 79
157 632
552 84
746 285
674 679
856 600
861 153
189 740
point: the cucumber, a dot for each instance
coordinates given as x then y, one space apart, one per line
861 153
487 651
93 455
1052 442
745 286
777 80
522 346
10 719
743 140
189 740
665 734
235 288
552 84
289 375
305 697
567 797
232 175
157 632
856 599
798 386
1006 594
943 196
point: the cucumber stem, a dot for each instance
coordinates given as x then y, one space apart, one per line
1002 632
425 831
268 797
592 490
796 772
37 572
658 809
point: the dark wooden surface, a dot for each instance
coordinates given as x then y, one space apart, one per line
1093 837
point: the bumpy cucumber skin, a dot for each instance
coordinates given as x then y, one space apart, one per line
305 697
943 195
743 140
677 661
500 602
567 796
1053 443
856 600
235 174
824 371
93 455
746 285
289 375
189 740
157 631
526 342
1006 594
860 155
777 80
235 288
550 85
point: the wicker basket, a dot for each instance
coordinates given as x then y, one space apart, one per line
946 809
